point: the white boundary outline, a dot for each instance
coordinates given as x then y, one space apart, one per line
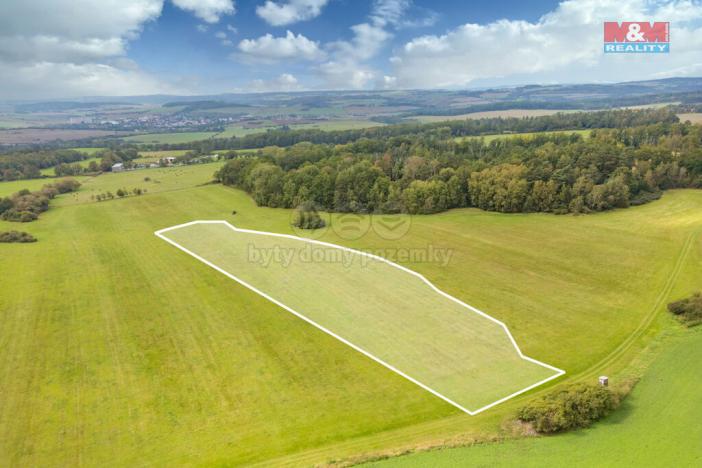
559 372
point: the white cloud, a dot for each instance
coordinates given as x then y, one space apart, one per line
402 14
347 68
346 74
43 80
368 39
278 13
389 82
270 49
76 19
57 48
564 45
284 83
232 29
223 39
209 11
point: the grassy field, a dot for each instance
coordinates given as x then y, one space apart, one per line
489 138
8 188
695 118
172 138
657 426
88 151
50 172
119 351
455 351
519 113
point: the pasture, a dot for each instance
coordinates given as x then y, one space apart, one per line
120 350
695 118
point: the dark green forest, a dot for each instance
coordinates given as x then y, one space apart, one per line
420 173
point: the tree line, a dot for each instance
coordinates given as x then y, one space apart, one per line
439 130
19 165
559 173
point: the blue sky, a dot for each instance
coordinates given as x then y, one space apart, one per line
175 43
64 48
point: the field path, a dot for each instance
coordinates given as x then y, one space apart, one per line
651 315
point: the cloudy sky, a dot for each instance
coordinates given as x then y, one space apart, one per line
71 48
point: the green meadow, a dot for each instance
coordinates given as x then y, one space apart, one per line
657 426
121 350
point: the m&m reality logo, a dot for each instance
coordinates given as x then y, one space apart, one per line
636 37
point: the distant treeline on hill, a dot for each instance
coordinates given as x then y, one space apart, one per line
438 130
559 104
419 173
27 164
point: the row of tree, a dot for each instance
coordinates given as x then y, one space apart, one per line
28 164
549 173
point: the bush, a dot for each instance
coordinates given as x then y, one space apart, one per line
307 217
25 206
66 185
16 237
573 407
688 310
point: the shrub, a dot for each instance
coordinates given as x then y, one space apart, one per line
688 310
16 237
573 407
25 206
307 217
66 185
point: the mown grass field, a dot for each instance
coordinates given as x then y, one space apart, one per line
117 351
695 118
657 426
455 351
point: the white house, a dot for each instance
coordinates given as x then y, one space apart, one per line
119 167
